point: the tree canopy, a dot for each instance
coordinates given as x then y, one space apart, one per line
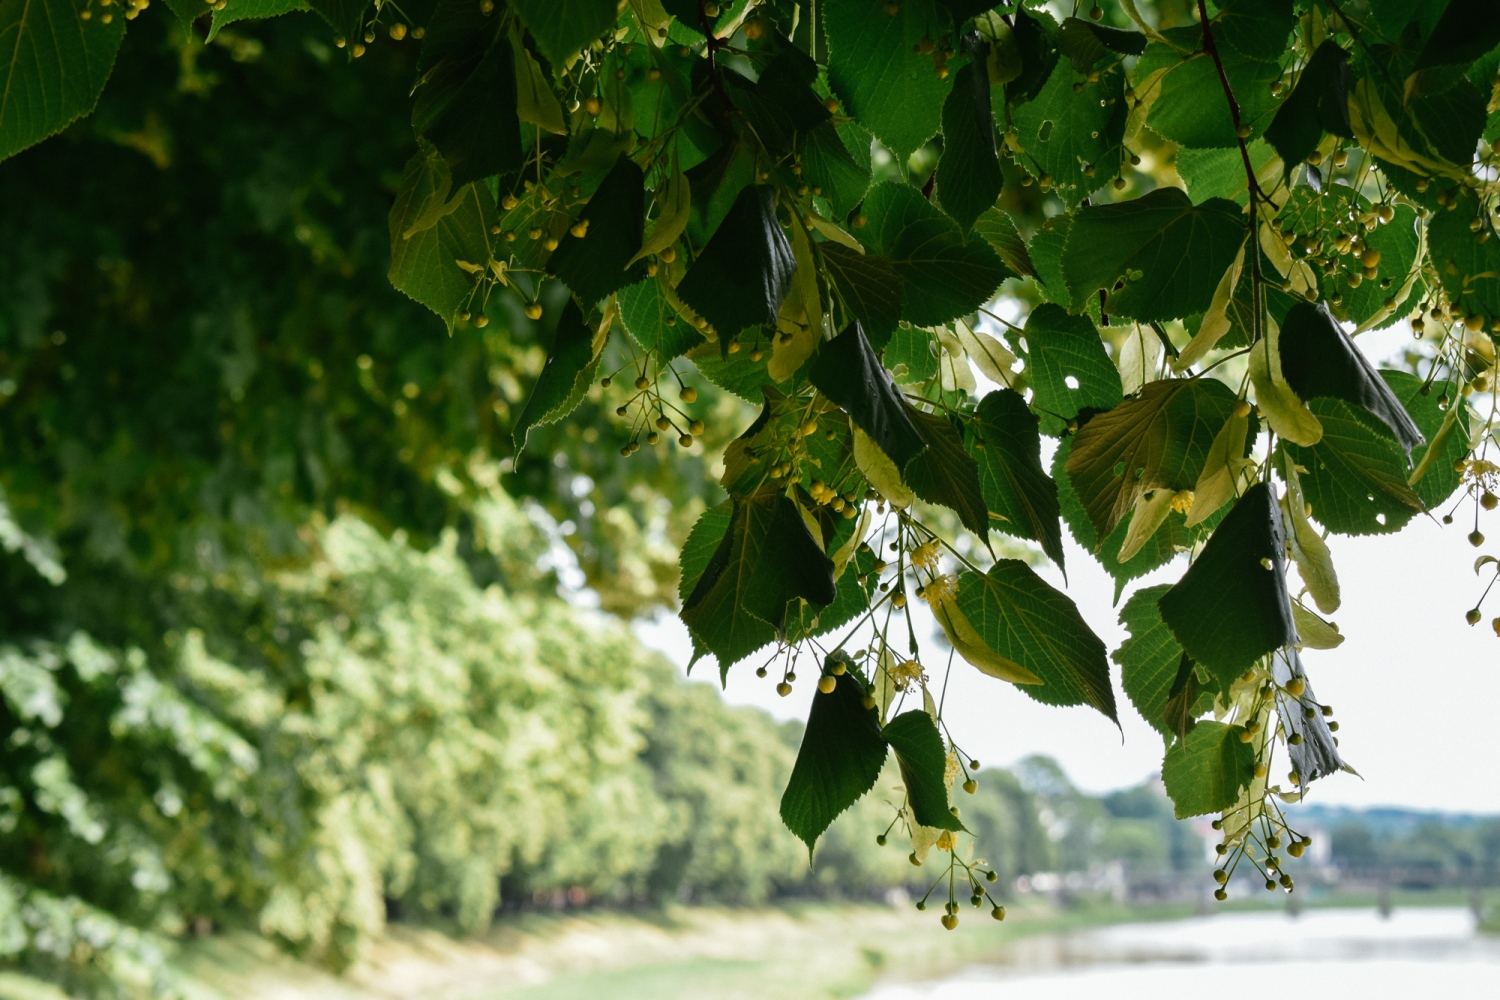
856 300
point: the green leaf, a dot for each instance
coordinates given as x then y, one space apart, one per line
1046 249
882 81
920 753
565 377
1073 131
1028 621
1421 401
1319 359
1035 33
466 101
1467 30
1356 475
646 311
744 273
1316 755
53 65
1060 347
1469 269
1171 538
1191 108
346 16
840 760
1157 440
536 103
766 558
562 27
1231 606
847 372
944 473
241 10
911 355
968 172
1205 772
597 263
1150 660
1011 476
702 542
831 170
1319 103
734 373
422 264
869 286
999 231
1168 252
1220 173
943 274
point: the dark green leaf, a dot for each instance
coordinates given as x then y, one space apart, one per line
919 751
868 285
847 372
1060 347
52 68
1467 30
1072 131
1015 485
1205 772
742 276
1035 31
1319 103
1315 755
1441 479
562 27
767 557
944 473
1168 253
840 759
943 274
422 263
968 173
1319 359
1028 621
594 264
1156 440
1150 662
882 81
1231 607
565 377
999 231
1356 475
345 16
911 355
1046 250
828 166
466 104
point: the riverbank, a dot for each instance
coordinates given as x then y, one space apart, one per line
798 952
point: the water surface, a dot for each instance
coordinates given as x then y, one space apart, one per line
1423 953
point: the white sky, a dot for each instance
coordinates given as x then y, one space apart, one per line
1413 686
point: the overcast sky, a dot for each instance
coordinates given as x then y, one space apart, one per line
1414 687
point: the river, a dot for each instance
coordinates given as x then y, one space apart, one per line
1323 954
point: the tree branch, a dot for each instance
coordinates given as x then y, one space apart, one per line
1211 49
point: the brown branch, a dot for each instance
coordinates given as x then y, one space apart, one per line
1211 49
714 44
